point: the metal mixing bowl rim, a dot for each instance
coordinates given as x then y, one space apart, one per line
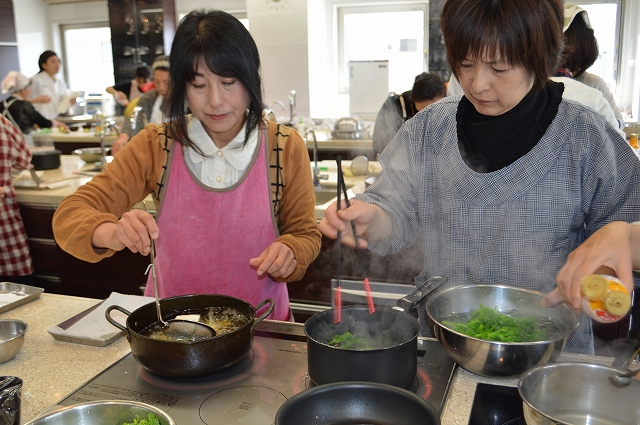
25 324
155 410
555 366
82 151
439 294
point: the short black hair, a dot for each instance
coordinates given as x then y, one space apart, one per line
227 49
526 33
142 71
428 86
44 57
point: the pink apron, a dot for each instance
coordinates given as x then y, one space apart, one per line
207 237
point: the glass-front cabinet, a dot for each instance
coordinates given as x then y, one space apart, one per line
140 31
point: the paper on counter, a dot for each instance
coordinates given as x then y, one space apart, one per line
94 329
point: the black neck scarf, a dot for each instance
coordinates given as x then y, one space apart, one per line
489 143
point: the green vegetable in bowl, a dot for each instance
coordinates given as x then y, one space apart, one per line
490 325
151 420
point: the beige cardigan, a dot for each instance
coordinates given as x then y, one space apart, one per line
140 168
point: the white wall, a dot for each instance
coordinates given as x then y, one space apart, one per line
38 26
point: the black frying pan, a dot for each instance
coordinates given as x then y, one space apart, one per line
356 403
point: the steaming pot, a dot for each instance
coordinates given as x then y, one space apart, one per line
395 364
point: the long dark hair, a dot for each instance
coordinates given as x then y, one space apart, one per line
227 49
527 33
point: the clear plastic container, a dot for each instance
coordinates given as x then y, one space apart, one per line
605 299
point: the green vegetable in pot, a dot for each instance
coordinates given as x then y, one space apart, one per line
151 420
491 325
349 340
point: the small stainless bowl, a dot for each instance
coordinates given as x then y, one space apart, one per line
11 338
102 412
89 154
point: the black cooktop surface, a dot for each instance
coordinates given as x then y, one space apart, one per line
252 391
496 405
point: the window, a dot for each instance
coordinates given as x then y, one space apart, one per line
88 57
397 34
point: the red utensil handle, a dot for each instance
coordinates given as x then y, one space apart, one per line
367 289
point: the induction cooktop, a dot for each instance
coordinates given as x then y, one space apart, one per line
251 391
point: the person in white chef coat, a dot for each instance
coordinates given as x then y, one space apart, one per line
50 94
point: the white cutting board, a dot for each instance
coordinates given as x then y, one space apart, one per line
93 328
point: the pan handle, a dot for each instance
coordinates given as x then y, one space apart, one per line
409 302
110 319
627 352
265 314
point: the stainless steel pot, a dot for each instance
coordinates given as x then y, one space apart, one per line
499 359
348 128
581 393
576 394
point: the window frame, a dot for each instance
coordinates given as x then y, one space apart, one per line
63 43
343 87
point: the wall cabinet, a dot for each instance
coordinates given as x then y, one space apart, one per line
8 41
140 31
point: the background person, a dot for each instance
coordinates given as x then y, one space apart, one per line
124 93
235 193
15 258
152 104
17 109
504 182
49 92
580 52
398 108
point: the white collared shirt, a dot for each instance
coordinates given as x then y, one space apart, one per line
219 168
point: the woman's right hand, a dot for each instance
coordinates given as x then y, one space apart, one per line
371 223
134 231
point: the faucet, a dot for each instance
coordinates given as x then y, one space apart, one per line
292 107
108 125
317 176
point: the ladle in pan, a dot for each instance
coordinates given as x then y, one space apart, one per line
176 329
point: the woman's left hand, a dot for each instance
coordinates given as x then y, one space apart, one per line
278 260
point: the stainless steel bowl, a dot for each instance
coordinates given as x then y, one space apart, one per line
577 393
107 412
11 338
89 154
499 359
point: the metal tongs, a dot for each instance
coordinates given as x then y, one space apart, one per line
342 189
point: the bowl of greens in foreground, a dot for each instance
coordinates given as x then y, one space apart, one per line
109 412
499 331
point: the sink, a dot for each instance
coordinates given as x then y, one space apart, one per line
325 195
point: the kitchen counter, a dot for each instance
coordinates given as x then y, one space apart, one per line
55 135
52 369
71 165
73 173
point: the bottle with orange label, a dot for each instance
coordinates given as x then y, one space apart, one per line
605 299
633 140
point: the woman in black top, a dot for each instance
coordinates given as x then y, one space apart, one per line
18 110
